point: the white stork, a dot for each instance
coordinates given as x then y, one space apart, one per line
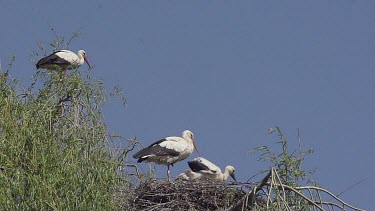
168 151
63 60
201 168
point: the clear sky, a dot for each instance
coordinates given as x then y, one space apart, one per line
227 71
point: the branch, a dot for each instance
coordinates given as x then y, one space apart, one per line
329 193
298 193
250 196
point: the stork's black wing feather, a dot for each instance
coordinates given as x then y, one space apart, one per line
52 59
197 166
157 142
156 149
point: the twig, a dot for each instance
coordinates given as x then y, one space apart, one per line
357 183
298 193
329 193
136 169
300 144
250 196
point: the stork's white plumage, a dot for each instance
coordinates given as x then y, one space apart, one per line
168 151
202 168
63 60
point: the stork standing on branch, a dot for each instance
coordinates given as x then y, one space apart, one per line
168 151
63 60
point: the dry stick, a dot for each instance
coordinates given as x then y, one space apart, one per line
136 169
283 199
318 189
261 184
329 193
330 204
247 201
320 197
251 194
124 154
279 179
330 208
271 187
298 193
312 197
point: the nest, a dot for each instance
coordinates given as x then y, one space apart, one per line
269 194
184 195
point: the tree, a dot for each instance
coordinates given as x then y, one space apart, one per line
55 150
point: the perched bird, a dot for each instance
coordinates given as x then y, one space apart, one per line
202 169
168 151
63 60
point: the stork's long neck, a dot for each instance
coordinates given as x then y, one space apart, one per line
81 60
188 140
225 175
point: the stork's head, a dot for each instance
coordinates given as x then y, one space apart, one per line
82 53
189 136
231 171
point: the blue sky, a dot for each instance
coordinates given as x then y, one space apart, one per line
227 71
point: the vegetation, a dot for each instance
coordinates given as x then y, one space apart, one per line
55 146
282 188
56 153
287 168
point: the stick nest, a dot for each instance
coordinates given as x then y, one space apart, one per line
269 194
156 194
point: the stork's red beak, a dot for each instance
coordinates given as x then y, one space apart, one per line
195 146
87 61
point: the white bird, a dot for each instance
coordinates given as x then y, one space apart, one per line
201 168
168 151
63 60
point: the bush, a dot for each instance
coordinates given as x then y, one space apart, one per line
55 146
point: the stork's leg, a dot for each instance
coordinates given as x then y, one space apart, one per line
65 73
169 174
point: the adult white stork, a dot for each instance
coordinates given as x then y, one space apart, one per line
168 151
63 60
202 168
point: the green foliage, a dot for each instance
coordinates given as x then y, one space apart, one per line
54 145
288 165
287 170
